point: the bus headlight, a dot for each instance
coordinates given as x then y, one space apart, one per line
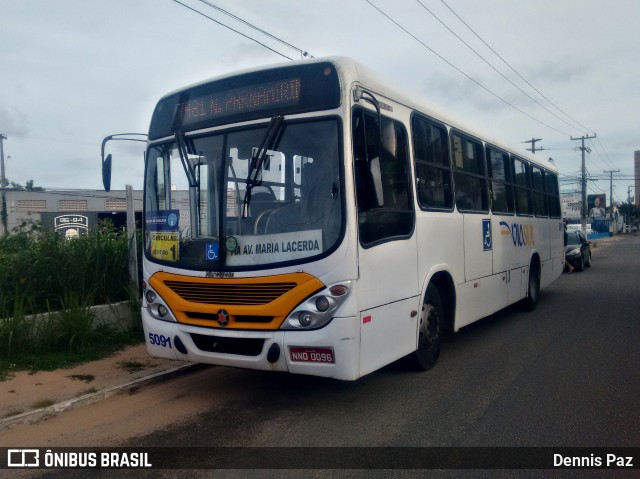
322 303
156 305
305 318
150 296
318 310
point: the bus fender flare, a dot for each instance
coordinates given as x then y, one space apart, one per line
441 276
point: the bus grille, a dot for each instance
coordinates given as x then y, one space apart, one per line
241 294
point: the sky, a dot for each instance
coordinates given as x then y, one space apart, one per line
75 71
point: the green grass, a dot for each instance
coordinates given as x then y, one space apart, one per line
45 267
40 272
100 345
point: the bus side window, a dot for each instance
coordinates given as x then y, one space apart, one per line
553 195
501 182
522 184
539 199
382 179
433 171
366 140
470 174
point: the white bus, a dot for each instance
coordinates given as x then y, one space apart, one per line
309 218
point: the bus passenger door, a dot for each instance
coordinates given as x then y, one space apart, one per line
387 255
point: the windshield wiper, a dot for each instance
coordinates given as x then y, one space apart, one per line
184 158
257 159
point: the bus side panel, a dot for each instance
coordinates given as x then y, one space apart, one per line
439 242
387 293
480 298
478 247
517 279
556 253
544 247
505 255
387 333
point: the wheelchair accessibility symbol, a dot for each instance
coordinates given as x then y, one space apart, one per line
212 251
487 239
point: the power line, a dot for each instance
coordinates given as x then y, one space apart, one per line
514 70
603 150
492 66
303 53
462 72
233 30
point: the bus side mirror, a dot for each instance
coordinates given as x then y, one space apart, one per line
106 172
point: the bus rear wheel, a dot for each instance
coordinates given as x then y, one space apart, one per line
430 329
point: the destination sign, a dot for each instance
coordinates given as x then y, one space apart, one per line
262 94
238 100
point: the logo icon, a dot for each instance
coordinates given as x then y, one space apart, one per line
172 220
23 458
213 251
223 317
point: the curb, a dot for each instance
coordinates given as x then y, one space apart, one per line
32 417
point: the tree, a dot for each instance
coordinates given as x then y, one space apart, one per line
12 185
29 186
630 212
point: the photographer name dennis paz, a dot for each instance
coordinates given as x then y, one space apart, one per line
610 460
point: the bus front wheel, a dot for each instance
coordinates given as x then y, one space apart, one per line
430 330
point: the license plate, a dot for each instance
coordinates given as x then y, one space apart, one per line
312 355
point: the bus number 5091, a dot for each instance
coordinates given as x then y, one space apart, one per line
160 340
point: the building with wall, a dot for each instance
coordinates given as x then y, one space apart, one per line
70 212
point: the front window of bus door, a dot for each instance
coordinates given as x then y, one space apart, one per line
385 208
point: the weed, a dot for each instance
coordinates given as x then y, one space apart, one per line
13 412
86 391
131 366
75 320
43 403
15 330
87 378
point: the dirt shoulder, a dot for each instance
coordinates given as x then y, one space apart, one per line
26 391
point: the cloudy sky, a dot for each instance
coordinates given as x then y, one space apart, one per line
74 71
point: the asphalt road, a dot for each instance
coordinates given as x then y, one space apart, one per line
564 375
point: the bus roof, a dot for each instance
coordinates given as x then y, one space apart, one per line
351 71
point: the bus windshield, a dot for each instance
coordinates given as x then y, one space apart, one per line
213 202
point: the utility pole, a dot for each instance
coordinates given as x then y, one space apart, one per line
5 230
627 219
611 172
533 145
584 182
